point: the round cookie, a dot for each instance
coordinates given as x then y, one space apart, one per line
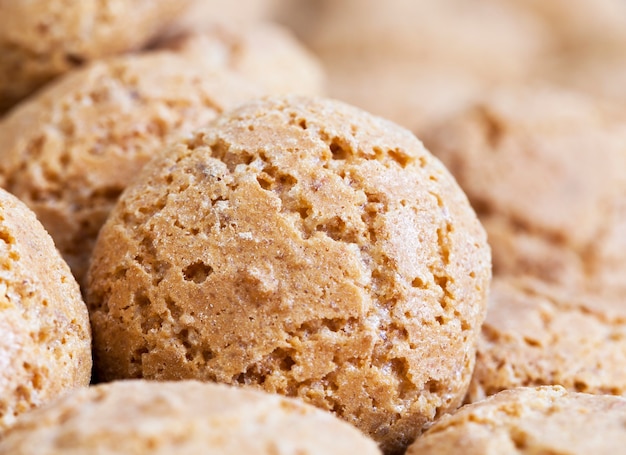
41 39
45 342
544 169
187 417
70 151
541 334
301 246
265 53
530 421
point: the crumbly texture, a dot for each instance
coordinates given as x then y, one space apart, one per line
544 169
41 39
530 421
190 417
45 342
71 150
415 62
265 53
540 334
304 247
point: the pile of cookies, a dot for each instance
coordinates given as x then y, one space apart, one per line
312 226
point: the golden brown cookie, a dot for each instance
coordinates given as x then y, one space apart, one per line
415 62
544 168
187 417
530 421
70 151
265 53
304 247
45 340
41 39
541 334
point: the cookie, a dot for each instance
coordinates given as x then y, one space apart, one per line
541 334
544 169
45 342
581 25
180 417
71 150
266 53
415 62
200 13
42 39
530 421
301 246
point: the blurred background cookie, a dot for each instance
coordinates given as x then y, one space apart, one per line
415 62
45 339
301 246
266 53
180 417
541 334
544 168
70 150
41 39
529 421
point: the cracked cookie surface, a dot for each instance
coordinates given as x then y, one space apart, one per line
541 334
529 421
45 342
544 169
187 417
41 39
304 247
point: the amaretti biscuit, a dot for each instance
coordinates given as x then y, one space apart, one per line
304 247
530 421
266 53
189 417
544 169
71 150
45 340
41 39
541 334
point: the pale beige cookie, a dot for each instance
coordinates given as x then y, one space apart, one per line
183 417
540 334
266 53
304 247
41 39
242 13
70 151
45 340
542 420
415 62
582 25
544 168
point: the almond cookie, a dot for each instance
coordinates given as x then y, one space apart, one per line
530 421
266 53
70 151
41 39
186 417
544 168
304 247
45 340
540 334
